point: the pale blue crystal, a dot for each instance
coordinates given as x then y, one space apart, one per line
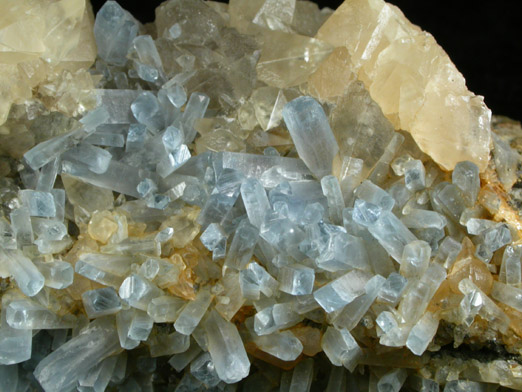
39 203
114 30
147 111
195 109
97 159
466 177
311 134
101 302
255 201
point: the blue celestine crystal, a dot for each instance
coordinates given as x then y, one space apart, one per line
311 133
114 31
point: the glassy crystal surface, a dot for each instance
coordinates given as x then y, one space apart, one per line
235 188
311 134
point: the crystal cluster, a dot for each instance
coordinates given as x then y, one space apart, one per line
259 201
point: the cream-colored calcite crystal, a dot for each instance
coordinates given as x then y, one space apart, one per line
413 80
45 48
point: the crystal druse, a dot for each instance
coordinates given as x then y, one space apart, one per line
253 196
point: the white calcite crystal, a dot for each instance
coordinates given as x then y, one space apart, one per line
253 196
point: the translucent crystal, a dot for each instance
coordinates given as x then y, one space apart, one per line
296 279
393 288
422 333
416 298
415 259
97 159
226 349
28 278
423 219
193 312
448 252
27 314
202 368
114 31
101 302
48 175
57 274
414 175
255 280
302 376
212 236
119 177
510 270
15 344
391 234
135 137
283 345
340 292
180 361
392 381
39 203
195 109
147 111
507 294
108 270
138 292
275 317
58 371
465 386
352 314
466 177
268 106
312 135
374 43
163 344
332 191
165 309
255 201
242 246
341 348
21 225
106 139
476 226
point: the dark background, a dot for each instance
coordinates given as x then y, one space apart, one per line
483 38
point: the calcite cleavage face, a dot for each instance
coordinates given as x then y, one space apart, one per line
413 80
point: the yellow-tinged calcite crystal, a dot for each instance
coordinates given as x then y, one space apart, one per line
413 80
47 44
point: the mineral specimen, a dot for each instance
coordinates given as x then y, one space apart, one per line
255 196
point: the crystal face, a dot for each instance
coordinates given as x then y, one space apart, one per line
259 195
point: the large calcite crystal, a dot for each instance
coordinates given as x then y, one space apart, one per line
413 80
46 45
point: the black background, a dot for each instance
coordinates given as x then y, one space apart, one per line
483 38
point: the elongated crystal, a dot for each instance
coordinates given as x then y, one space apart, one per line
193 312
422 333
255 201
196 108
226 349
311 133
26 314
342 291
283 345
60 370
114 31
28 278
341 348
39 203
97 159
